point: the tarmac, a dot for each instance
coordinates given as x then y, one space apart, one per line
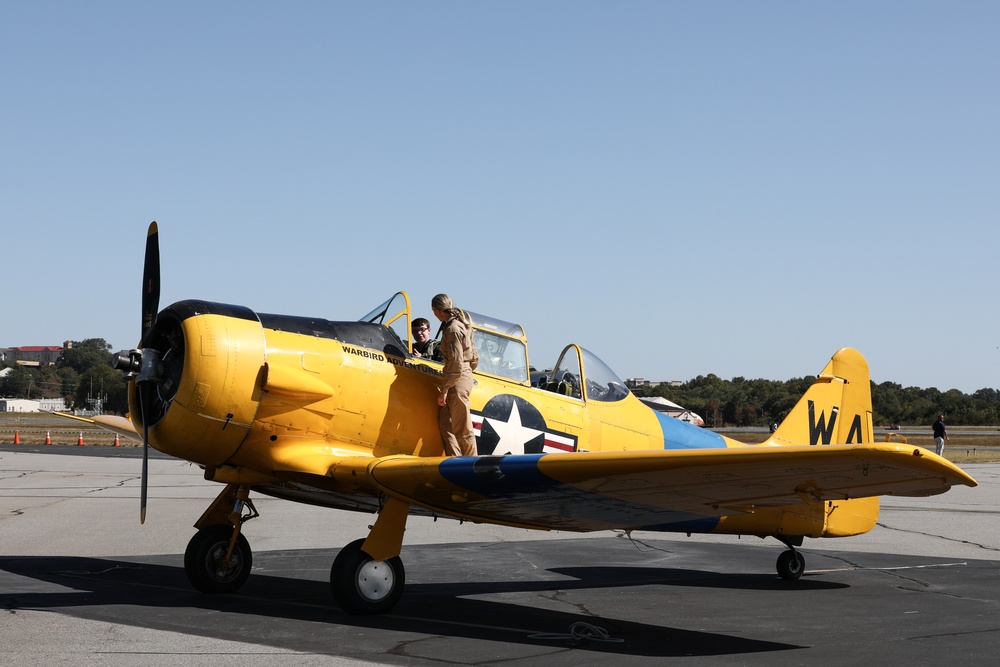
83 583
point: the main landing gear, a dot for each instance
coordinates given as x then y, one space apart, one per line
367 576
363 585
791 564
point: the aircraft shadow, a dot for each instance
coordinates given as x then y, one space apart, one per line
117 591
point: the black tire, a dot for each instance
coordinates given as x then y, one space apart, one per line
204 554
363 585
791 565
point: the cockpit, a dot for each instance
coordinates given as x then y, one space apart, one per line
503 353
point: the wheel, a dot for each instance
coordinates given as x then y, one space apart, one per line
363 585
203 560
791 565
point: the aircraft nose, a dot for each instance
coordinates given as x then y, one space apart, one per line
206 362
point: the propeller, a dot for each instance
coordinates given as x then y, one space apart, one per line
146 380
150 282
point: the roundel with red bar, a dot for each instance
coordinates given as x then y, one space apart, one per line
511 425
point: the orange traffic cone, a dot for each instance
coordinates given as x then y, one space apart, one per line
48 438
17 437
117 444
79 440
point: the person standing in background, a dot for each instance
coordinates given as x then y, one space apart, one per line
940 435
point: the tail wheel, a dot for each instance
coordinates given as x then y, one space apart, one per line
204 560
791 564
363 585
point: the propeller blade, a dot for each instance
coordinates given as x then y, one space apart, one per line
145 384
150 281
145 391
145 476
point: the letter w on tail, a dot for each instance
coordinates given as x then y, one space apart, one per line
843 386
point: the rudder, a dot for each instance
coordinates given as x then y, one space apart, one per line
836 409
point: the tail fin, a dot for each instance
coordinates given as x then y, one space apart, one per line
837 408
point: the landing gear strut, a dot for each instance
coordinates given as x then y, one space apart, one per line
367 577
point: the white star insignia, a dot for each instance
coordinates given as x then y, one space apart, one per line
513 434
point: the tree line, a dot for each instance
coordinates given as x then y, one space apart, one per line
84 377
742 402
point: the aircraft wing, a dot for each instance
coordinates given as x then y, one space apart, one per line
120 425
605 490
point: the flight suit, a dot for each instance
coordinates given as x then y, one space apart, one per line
455 418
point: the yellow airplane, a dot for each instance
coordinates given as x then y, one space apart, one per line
343 415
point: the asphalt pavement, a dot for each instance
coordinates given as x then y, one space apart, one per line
83 583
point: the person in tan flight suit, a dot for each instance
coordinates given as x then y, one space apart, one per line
460 358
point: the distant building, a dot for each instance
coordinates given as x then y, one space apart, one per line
672 409
639 383
40 405
36 355
52 405
18 405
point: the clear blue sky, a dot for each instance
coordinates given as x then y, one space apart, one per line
684 188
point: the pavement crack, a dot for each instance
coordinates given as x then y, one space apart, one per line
402 649
846 561
641 545
18 475
120 485
913 584
940 537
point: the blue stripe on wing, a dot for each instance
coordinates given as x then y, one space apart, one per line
514 487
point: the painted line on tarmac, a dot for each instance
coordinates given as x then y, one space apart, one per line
888 569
